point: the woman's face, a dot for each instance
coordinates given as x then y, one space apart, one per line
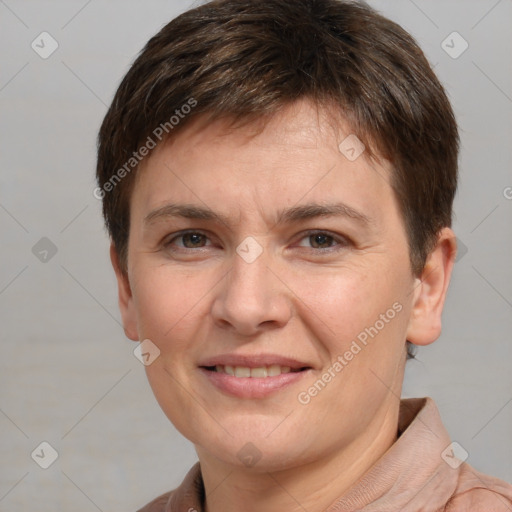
271 269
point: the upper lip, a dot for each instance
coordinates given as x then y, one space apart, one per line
253 361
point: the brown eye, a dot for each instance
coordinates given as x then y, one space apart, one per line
190 240
193 240
321 241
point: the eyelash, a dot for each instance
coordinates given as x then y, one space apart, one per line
342 241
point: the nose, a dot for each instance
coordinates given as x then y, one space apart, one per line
251 298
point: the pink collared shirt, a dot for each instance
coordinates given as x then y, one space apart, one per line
416 474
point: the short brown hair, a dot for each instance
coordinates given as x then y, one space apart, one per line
245 60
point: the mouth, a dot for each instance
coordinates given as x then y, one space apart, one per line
253 377
259 372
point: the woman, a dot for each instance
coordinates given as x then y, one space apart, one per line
278 178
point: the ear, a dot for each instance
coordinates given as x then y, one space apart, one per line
430 291
126 305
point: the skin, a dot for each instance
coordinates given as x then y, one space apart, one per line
196 298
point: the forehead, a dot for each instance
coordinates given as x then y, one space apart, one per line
299 155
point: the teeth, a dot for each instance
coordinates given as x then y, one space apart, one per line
260 372
274 370
242 371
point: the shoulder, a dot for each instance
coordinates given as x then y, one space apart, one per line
159 504
477 492
187 497
479 500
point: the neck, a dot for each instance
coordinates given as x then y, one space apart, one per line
311 486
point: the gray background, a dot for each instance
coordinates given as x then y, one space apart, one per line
69 377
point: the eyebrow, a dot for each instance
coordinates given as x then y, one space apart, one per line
288 216
311 211
186 211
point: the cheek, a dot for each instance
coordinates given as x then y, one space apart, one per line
170 308
359 318
345 300
367 314
167 304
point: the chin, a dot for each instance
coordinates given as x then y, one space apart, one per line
256 457
253 448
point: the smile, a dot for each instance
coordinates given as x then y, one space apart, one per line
255 381
260 372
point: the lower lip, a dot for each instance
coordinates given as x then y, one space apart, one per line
252 387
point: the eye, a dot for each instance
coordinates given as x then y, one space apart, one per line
322 240
189 240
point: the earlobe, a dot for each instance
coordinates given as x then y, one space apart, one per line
125 298
430 291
